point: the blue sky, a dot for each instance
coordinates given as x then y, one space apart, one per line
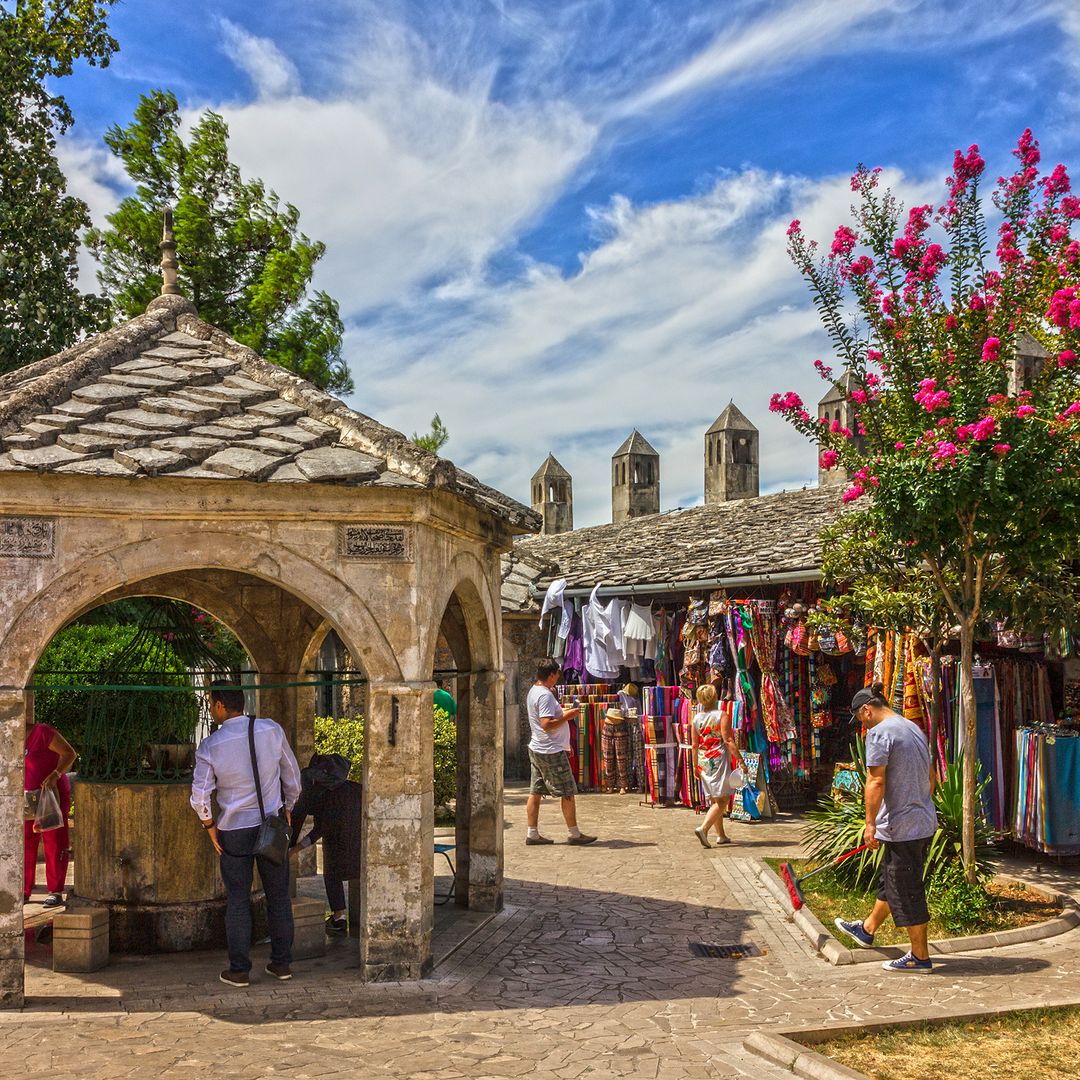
555 220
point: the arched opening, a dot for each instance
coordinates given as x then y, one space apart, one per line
465 666
710 452
740 450
636 476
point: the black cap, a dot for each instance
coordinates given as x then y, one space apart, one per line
866 696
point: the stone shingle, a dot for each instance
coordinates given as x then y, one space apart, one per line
168 394
773 534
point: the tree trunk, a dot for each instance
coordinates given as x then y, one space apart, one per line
970 746
935 701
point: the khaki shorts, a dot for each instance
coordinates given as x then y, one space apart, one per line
551 774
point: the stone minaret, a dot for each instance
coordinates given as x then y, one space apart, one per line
832 407
553 497
731 458
635 479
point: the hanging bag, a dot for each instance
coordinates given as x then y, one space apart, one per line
272 839
48 815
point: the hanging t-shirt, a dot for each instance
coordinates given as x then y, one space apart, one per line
39 761
541 702
603 637
639 633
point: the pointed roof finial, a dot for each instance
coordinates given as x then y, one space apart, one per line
168 257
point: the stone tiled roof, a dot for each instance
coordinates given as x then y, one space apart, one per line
732 418
774 534
636 443
166 394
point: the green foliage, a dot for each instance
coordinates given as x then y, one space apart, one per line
836 827
243 261
445 757
111 728
961 905
42 310
435 439
345 736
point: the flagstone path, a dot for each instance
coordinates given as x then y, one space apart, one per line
586 973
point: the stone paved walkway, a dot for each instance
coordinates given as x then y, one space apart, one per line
585 974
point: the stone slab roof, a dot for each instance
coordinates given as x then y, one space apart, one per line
732 418
773 534
166 394
636 443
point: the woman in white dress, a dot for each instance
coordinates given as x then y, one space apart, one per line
712 742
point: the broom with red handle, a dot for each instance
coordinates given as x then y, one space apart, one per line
794 883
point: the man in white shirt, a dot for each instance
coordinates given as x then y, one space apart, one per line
549 755
223 764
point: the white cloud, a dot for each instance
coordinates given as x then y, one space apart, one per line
271 72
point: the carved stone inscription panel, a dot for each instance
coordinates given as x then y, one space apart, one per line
27 538
391 543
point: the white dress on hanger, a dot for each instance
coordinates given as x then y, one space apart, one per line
639 634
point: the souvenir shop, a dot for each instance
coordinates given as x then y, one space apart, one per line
634 663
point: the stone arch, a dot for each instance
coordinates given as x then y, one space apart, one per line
80 587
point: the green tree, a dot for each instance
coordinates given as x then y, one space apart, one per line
435 439
42 309
243 261
966 458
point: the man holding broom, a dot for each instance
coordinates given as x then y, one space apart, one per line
900 816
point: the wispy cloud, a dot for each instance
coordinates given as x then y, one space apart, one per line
272 74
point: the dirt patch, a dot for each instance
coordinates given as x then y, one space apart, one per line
1043 1043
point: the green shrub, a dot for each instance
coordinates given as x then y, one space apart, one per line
97 722
959 904
836 827
445 757
345 736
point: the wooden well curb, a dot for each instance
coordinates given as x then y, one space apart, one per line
791 1049
833 951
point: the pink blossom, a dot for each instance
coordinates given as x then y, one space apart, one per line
859 397
1065 309
794 228
1057 183
873 356
930 398
932 261
828 459
823 369
983 429
1066 358
996 399
856 491
1001 448
843 241
1025 410
899 446
1070 207
944 453
990 350
783 403
1027 149
861 266
950 322
965 169
1058 233
977 302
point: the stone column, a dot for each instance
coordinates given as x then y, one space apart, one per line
486 791
12 741
399 814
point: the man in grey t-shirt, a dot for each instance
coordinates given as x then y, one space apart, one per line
900 816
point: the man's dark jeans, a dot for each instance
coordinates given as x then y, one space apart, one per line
237 867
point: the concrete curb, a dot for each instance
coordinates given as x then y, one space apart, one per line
791 1049
837 954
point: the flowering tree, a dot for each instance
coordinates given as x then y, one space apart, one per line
965 455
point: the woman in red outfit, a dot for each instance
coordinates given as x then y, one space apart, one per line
46 760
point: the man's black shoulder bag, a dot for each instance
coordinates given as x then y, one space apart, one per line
272 841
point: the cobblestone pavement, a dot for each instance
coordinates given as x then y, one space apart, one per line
585 974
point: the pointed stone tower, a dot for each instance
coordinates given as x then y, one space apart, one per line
635 479
731 458
834 407
553 497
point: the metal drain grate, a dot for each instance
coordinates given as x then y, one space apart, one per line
724 952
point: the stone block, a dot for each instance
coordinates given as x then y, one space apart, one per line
309 928
81 940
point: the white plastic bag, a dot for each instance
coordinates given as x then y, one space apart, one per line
48 815
736 781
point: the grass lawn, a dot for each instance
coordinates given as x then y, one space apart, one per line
1013 905
1042 1043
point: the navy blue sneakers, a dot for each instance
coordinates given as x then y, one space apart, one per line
910 962
855 931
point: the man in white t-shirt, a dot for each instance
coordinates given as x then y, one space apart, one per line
549 755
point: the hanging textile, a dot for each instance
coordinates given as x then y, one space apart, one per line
760 623
1046 790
